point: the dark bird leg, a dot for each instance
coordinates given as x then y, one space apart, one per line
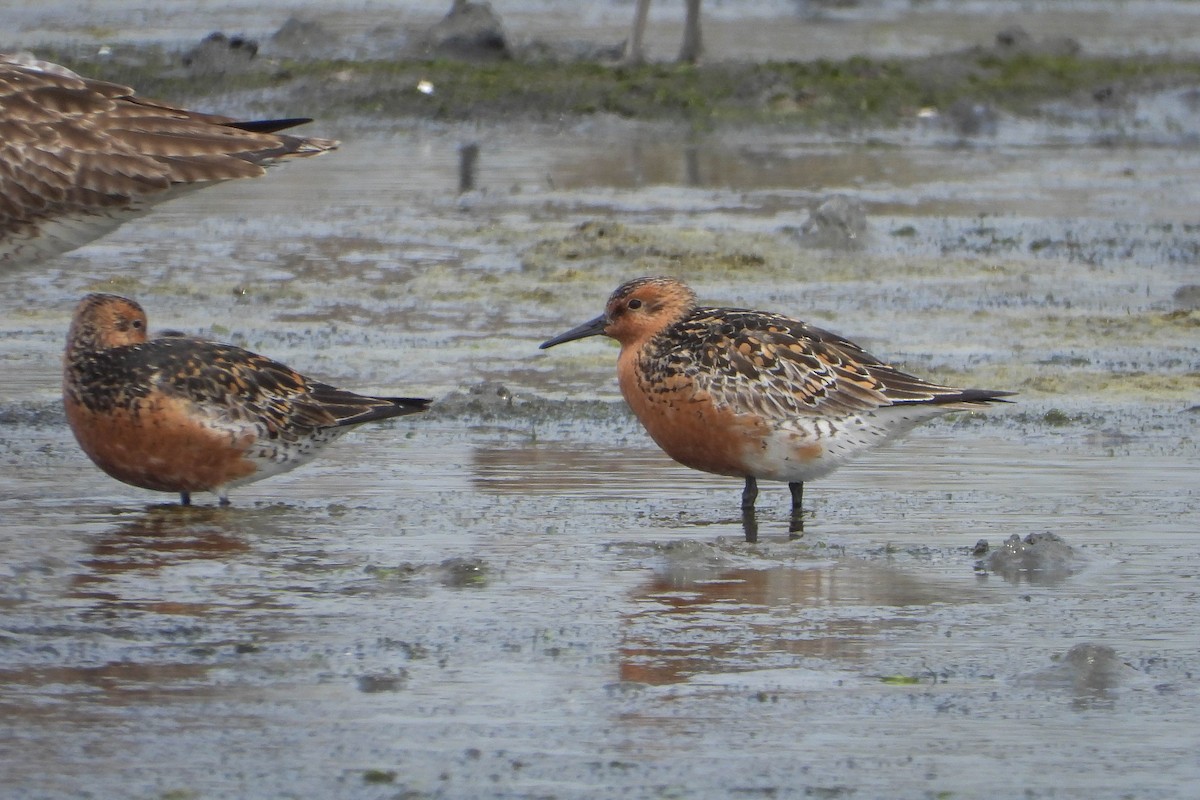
749 494
749 523
750 526
796 526
185 498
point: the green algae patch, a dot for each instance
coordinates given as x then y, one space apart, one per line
595 248
379 776
850 92
900 680
853 92
121 284
1056 418
1120 386
1153 327
1184 318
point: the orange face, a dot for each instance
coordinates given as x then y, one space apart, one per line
635 312
642 308
106 320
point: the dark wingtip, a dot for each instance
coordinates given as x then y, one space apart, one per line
977 396
411 405
269 125
358 409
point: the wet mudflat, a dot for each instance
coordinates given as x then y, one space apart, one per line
519 596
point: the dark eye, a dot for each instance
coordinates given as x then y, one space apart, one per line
634 303
136 324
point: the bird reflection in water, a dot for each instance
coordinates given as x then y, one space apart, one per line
695 618
610 473
155 540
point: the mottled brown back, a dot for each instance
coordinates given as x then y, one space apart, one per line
777 367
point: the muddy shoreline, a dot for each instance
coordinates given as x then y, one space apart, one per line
518 595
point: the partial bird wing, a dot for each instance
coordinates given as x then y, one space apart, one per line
232 386
779 368
79 156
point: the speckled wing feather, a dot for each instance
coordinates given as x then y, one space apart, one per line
79 156
231 386
778 367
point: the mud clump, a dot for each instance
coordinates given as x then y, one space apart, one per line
1016 41
1090 672
470 31
382 682
478 398
1187 297
463 573
304 38
839 222
219 54
1039 558
492 401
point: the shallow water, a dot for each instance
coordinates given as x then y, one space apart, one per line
525 598
755 29
602 627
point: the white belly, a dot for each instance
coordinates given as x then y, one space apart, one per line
806 448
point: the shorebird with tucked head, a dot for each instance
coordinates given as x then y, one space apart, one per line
78 156
755 395
179 414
